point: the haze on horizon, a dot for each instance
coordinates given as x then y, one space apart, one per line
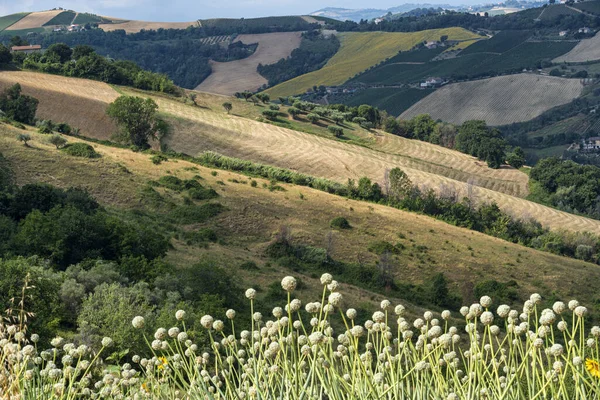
190 10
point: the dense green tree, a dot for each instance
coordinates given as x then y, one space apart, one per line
399 184
137 118
5 55
227 106
516 158
423 127
80 51
17 106
61 50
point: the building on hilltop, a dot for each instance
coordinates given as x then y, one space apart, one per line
590 144
26 49
432 83
585 30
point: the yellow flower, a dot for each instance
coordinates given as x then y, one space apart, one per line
163 362
593 367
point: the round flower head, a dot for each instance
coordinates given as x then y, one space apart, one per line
556 350
580 311
573 304
399 309
486 301
35 338
138 322
206 321
351 313
107 342
559 307
503 311
333 286
464 310
378 316
445 314
288 283
230 314
535 298
335 299
385 304
180 314
251 294
326 279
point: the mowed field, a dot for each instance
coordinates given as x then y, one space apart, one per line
586 50
240 75
358 52
79 102
253 215
136 26
498 101
197 129
34 20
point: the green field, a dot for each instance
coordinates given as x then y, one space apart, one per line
22 32
64 18
500 43
266 22
8 20
421 55
592 7
393 100
85 18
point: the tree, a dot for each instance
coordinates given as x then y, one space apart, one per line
516 158
423 127
18 41
193 97
400 184
57 140
227 106
24 137
314 118
369 113
80 51
61 50
17 106
5 55
336 130
137 119
294 112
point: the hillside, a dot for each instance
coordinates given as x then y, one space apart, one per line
498 101
254 214
358 52
197 129
137 26
241 75
586 50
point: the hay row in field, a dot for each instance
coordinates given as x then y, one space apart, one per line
240 75
359 51
586 50
498 101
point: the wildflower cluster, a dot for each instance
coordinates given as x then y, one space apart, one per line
497 352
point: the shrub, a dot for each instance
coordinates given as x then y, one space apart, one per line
270 114
192 214
336 130
24 137
57 141
379 247
314 118
340 223
80 150
158 158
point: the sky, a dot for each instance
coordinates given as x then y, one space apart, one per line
191 10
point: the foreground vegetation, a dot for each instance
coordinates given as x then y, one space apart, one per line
323 350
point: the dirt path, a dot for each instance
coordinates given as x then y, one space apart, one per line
240 75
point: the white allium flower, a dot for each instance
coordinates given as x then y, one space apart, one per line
206 321
476 309
357 331
464 310
182 336
556 350
35 338
428 315
378 316
562 326
333 286
295 305
277 312
257 316
399 309
218 325
590 343
251 294
335 299
573 304
173 332
485 301
351 313
595 331
535 298
180 314
577 361
580 311
446 315
288 283
138 322
326 279
160 334
559 307
503 311
315 338
230 314
385 304
107 342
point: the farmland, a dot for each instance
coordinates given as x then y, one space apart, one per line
11 19
393 100
499 43
253 24
64 18
86 18
240 75
136 26
592 7
358 52
34 20
499 101
214 39
586 50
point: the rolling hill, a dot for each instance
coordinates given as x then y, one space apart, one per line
498 101
586 50
358 52
197 129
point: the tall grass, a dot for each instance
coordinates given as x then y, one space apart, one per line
532 353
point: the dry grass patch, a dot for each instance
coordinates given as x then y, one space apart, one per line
137 26
586 50
240 75
498 101
79 102
34 20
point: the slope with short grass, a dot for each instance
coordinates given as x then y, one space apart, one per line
11 19
498 101
359 51
586 50
254 214
34 20
240 75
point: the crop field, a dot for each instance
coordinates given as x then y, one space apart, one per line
136 26
11 19
586 50
64 18
421 55
214 39
239 75
358 52
462 45
34 20
555 10
86 18
79 102
499 101
501 42
592 7
393 100
266 22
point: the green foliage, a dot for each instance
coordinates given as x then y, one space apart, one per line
193 214
270 114
340 223
313 118
336 130
400 184
57 140
487 144
8 20
500 292
80 150
158 159
227 106
380 247
17 106
137 118
24 137
5 55
59 51
64 18
516 158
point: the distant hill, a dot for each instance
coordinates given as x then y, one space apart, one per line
343 14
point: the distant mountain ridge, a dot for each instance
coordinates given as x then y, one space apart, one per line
344 14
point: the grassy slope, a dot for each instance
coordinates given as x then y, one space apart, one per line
208 127
360 51
8 20
254 214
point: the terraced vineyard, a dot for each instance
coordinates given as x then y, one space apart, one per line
358 52
393 100
64 18
499 101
